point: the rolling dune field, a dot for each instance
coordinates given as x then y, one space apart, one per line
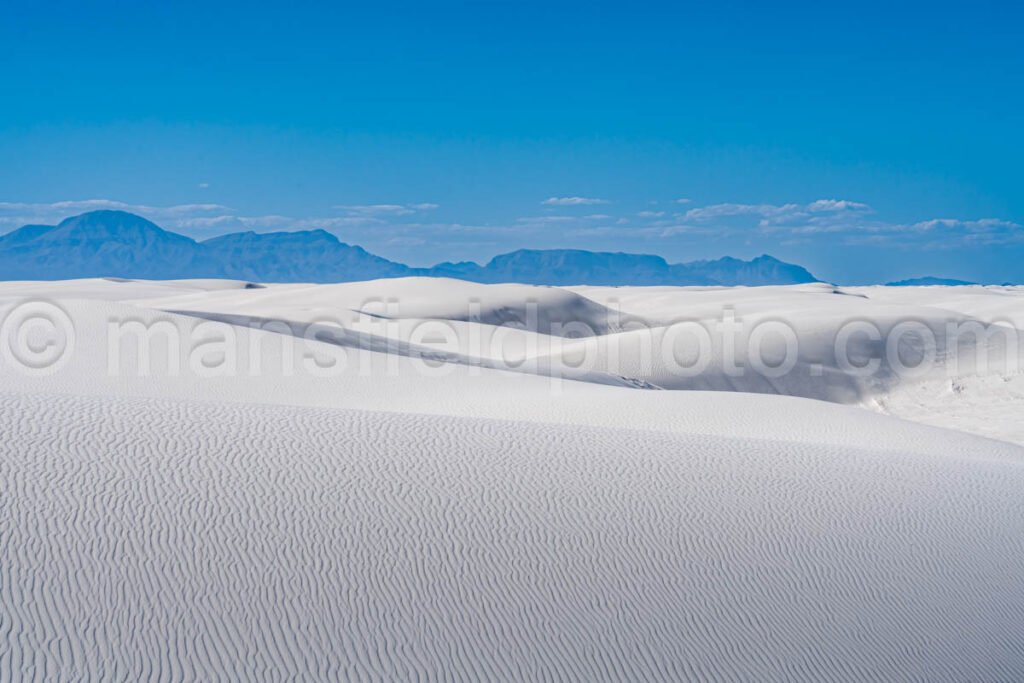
501 482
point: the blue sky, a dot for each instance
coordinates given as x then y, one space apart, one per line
865 141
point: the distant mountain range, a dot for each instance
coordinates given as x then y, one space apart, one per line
930 282
121 244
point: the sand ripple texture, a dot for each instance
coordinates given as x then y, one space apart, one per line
155 540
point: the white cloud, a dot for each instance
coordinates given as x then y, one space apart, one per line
683 200
16 214
716 211
377 209
602 231
828 221
822 215
845 222
80 205
573 201
548 219
194 219
837 205
983 232
386 209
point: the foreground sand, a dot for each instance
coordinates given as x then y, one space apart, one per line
484 524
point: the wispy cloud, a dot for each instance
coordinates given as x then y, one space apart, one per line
950 233
80 205
556 218
573 201
841 221
386 209
837 205
209 219
829 222
821 212
16 214
548 219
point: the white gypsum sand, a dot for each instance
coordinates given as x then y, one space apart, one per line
422 513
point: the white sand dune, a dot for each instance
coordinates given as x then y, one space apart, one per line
640 336
401 519
173 540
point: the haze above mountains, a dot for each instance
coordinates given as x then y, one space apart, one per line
122 244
